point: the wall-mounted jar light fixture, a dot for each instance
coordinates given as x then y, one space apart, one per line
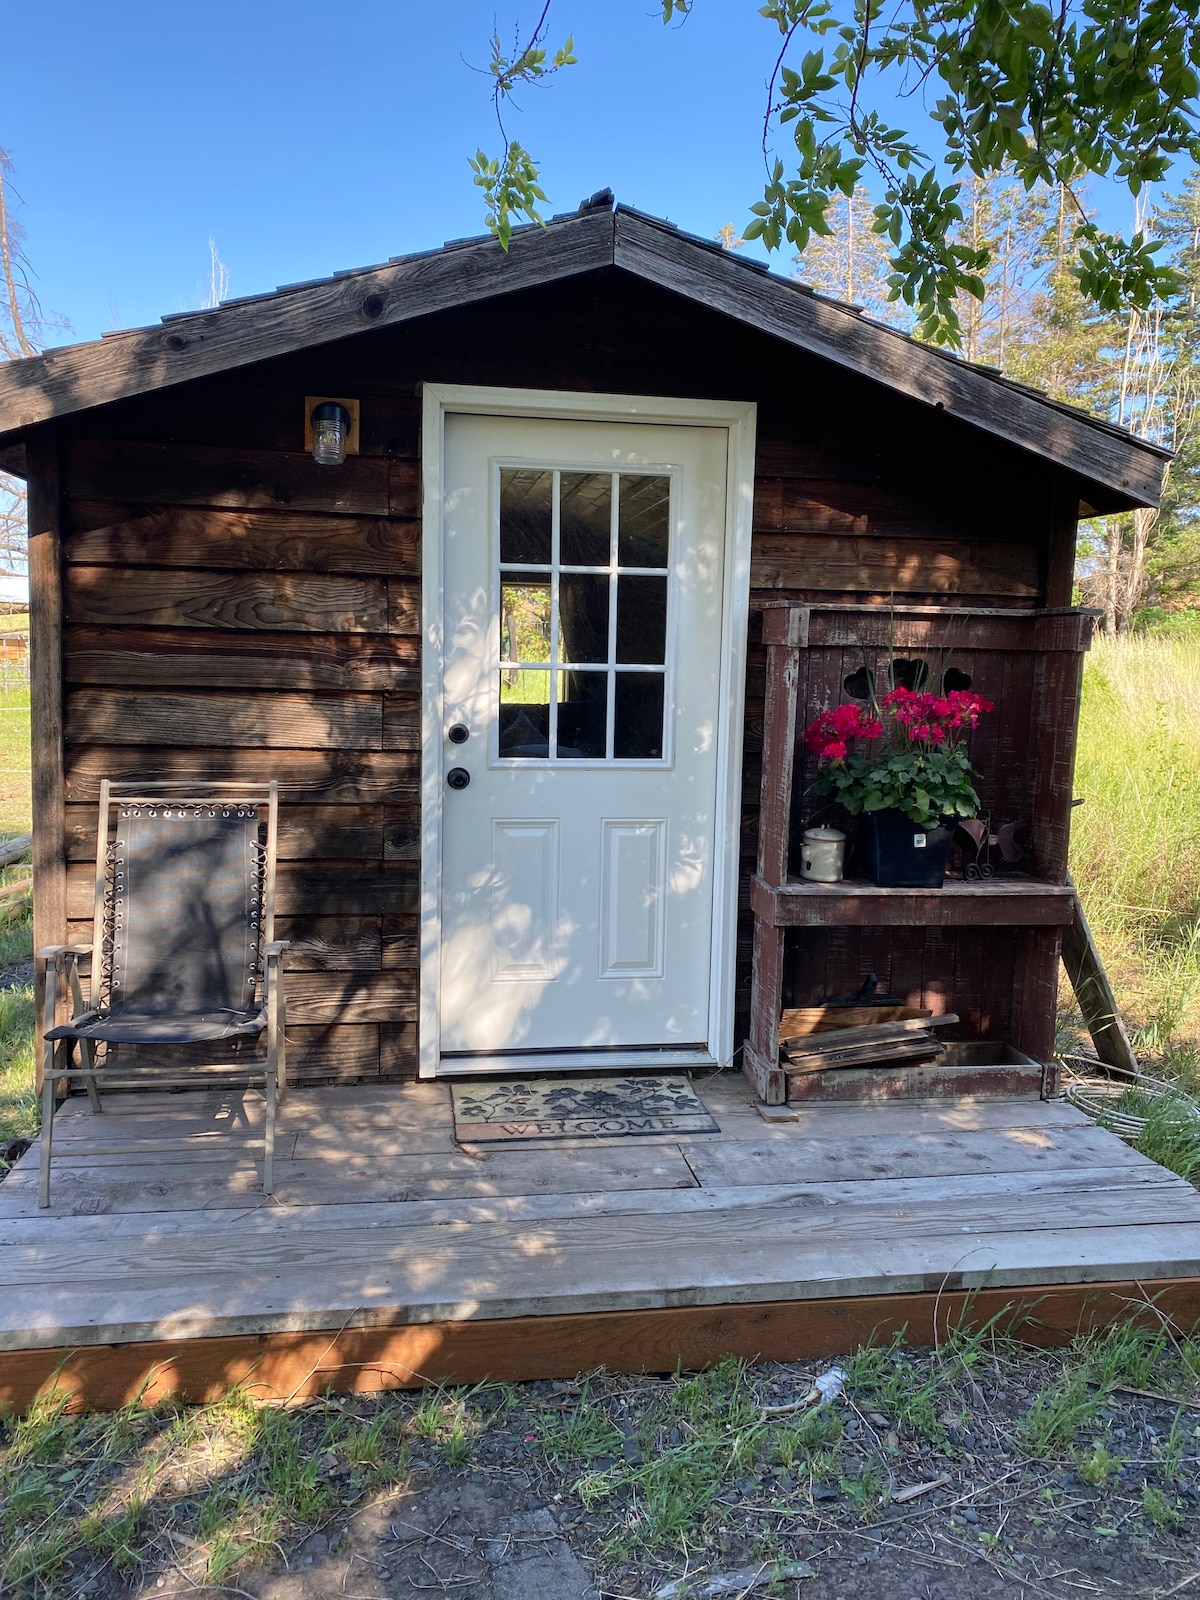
330 429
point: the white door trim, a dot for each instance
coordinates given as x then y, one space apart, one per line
739 419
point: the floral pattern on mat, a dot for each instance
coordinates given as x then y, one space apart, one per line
575 1108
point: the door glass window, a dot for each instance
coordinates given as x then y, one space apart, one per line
584 602
526 516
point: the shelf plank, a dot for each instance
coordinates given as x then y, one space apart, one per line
999 902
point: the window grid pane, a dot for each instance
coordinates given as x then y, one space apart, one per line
595 695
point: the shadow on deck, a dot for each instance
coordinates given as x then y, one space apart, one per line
389 1255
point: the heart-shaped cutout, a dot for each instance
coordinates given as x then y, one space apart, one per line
860 685
953 679
909 674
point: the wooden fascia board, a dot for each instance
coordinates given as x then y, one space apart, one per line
76 379
701 275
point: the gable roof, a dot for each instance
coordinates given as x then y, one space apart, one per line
200 344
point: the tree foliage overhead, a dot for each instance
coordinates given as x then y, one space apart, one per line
1047 93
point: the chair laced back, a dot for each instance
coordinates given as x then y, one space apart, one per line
185 903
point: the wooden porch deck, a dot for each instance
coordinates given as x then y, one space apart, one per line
389 1255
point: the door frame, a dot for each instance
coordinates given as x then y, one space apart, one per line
738 419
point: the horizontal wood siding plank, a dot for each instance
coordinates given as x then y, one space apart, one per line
401 942
404 605
316 944
300 602
206 475
350 997
404 488
339 1052
330 777
266 541
801 561
265 721
401 722
800 504
302 888
167 658
397 1050
331 944
331 833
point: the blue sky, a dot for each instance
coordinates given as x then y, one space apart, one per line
304 141
304 138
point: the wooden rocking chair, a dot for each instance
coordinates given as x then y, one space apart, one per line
184 950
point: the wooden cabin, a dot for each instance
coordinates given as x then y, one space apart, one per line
698 498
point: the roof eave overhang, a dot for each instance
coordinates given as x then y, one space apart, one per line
242 333
1128 468
1118 471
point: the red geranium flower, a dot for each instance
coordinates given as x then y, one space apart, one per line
828 737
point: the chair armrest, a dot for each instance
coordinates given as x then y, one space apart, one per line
59 959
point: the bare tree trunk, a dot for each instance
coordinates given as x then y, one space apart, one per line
9 267
1004 294
974 316
850 285
1134 586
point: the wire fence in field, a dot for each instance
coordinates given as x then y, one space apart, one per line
14 661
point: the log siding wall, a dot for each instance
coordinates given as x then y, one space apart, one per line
231 609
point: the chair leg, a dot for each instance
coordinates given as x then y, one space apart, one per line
47 1138
281 1054
88 1052
269 1136
47 975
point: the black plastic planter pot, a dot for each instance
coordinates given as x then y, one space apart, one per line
903 855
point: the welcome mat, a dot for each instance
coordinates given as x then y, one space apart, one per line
577 1108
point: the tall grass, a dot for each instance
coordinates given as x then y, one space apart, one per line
18 1099
1135 850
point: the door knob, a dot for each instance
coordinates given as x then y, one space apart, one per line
458 734
458 777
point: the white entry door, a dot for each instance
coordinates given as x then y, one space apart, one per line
583 567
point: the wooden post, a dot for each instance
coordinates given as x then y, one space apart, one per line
1059 581
45 697
1060 644
785 634
1094 993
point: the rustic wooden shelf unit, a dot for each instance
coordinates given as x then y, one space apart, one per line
988 950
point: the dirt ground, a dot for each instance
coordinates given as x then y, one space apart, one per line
1036 1475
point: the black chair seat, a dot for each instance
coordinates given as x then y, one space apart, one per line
122 1026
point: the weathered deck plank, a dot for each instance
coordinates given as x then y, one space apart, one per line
379 1220
51 1232
328 1288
